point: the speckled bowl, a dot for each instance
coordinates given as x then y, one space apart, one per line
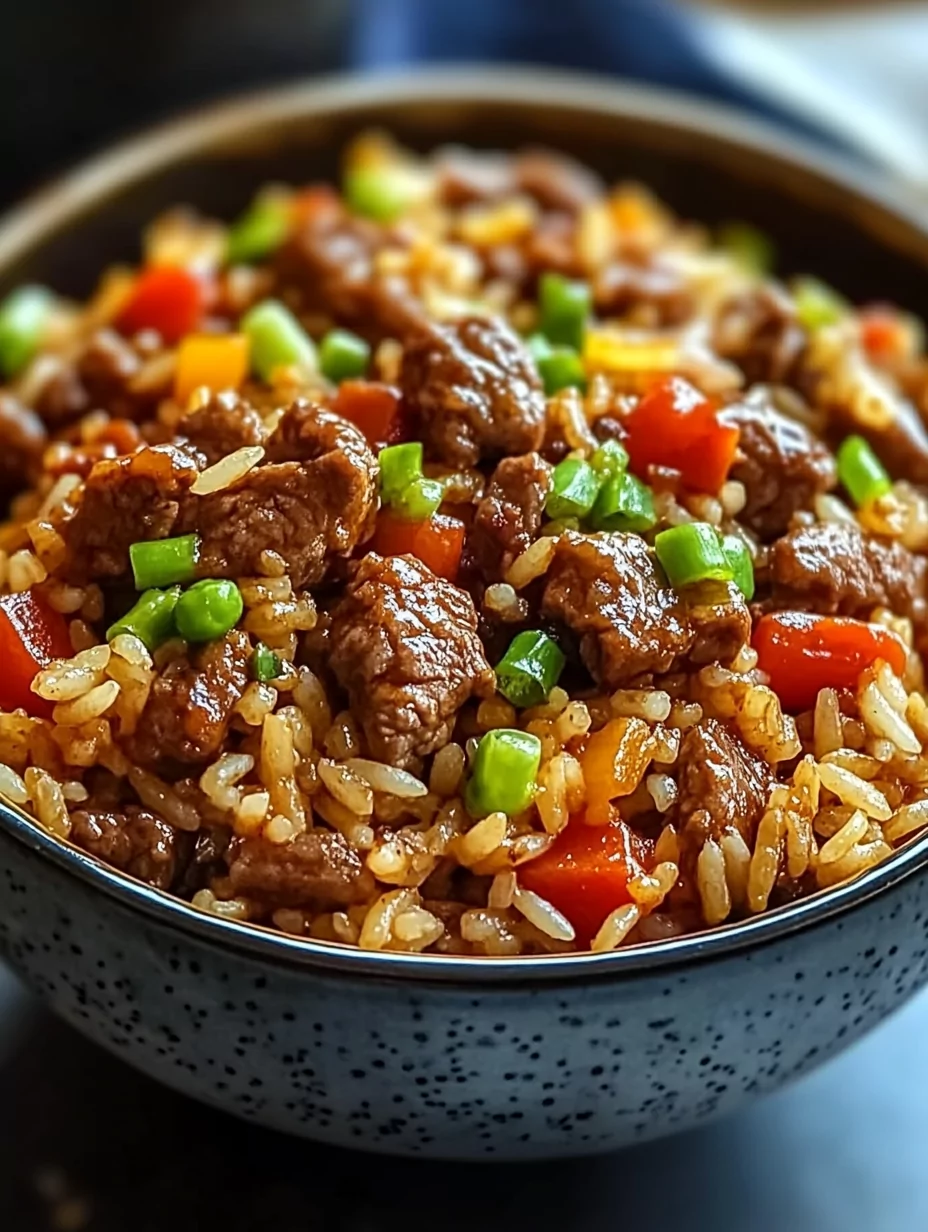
466 1058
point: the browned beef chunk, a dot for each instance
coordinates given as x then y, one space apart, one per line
133 840
475 391
226 423
403 644
316 869
625 286
22 441
610 592
607 589
508 518
835 568
469 177
556 181
330 265
719 622
187 714
123 501
758 331
782 465
723 786
318 506
102 377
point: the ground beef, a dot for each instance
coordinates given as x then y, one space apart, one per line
329 264
508 518
318 506
475 391
124 500
22 442
608 590
318 869
722 785
187 714
759 332
227 422
133 840
782 465
403 644
626 286
837 569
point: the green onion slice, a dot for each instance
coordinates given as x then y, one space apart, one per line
692 553
164 562
530 668
861 471
208 610
574 488
277 339
503 773
151 619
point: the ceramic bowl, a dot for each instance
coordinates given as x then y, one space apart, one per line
457 1057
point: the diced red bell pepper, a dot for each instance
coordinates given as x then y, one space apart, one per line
802 654
166 298
370 406
884 332
676 427
437 542
312 202
32 634
585 872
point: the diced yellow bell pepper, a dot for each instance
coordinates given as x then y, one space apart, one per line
217 361
607 350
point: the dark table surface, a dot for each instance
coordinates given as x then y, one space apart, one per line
86 1145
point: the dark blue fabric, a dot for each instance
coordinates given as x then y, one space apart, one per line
640 40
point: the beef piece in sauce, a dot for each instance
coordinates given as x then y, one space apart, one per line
758 331
834 568
22 443
722 785
474 390
403 644
508 518
221 426
186 718
782 465
132 839
318 869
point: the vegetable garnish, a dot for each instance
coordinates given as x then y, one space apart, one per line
438 541
861 471
32 634
503 772
164 562
218 361
530 668
22 318
260 230
802 653
208 610
151 619
167 299
277 339
674 426
265 664
742 565
692 552
574 488
564 308
372 407
343 355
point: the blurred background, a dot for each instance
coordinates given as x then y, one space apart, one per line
853 72
86 1146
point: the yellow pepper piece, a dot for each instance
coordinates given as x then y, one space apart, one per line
610 351
218 361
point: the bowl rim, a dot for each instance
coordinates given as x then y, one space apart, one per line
61 202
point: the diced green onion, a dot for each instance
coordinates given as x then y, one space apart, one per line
503 773
538 347
530 668
692 553
623 503
382 192
419 499
861 471
400 465
265 665
610 460
22 317
564 306
562 369
260 230
574 488
151 619
164 562
209 609
817 304
742 566
752 249
277 339
343 355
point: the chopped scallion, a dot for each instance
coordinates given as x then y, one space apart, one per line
265 665
565 306
151 619
260 230
208 610
574 487
530 668
277 339
692 553
623 503
861 471
742 566
503 773
22 317
164 562
561 369
343 355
